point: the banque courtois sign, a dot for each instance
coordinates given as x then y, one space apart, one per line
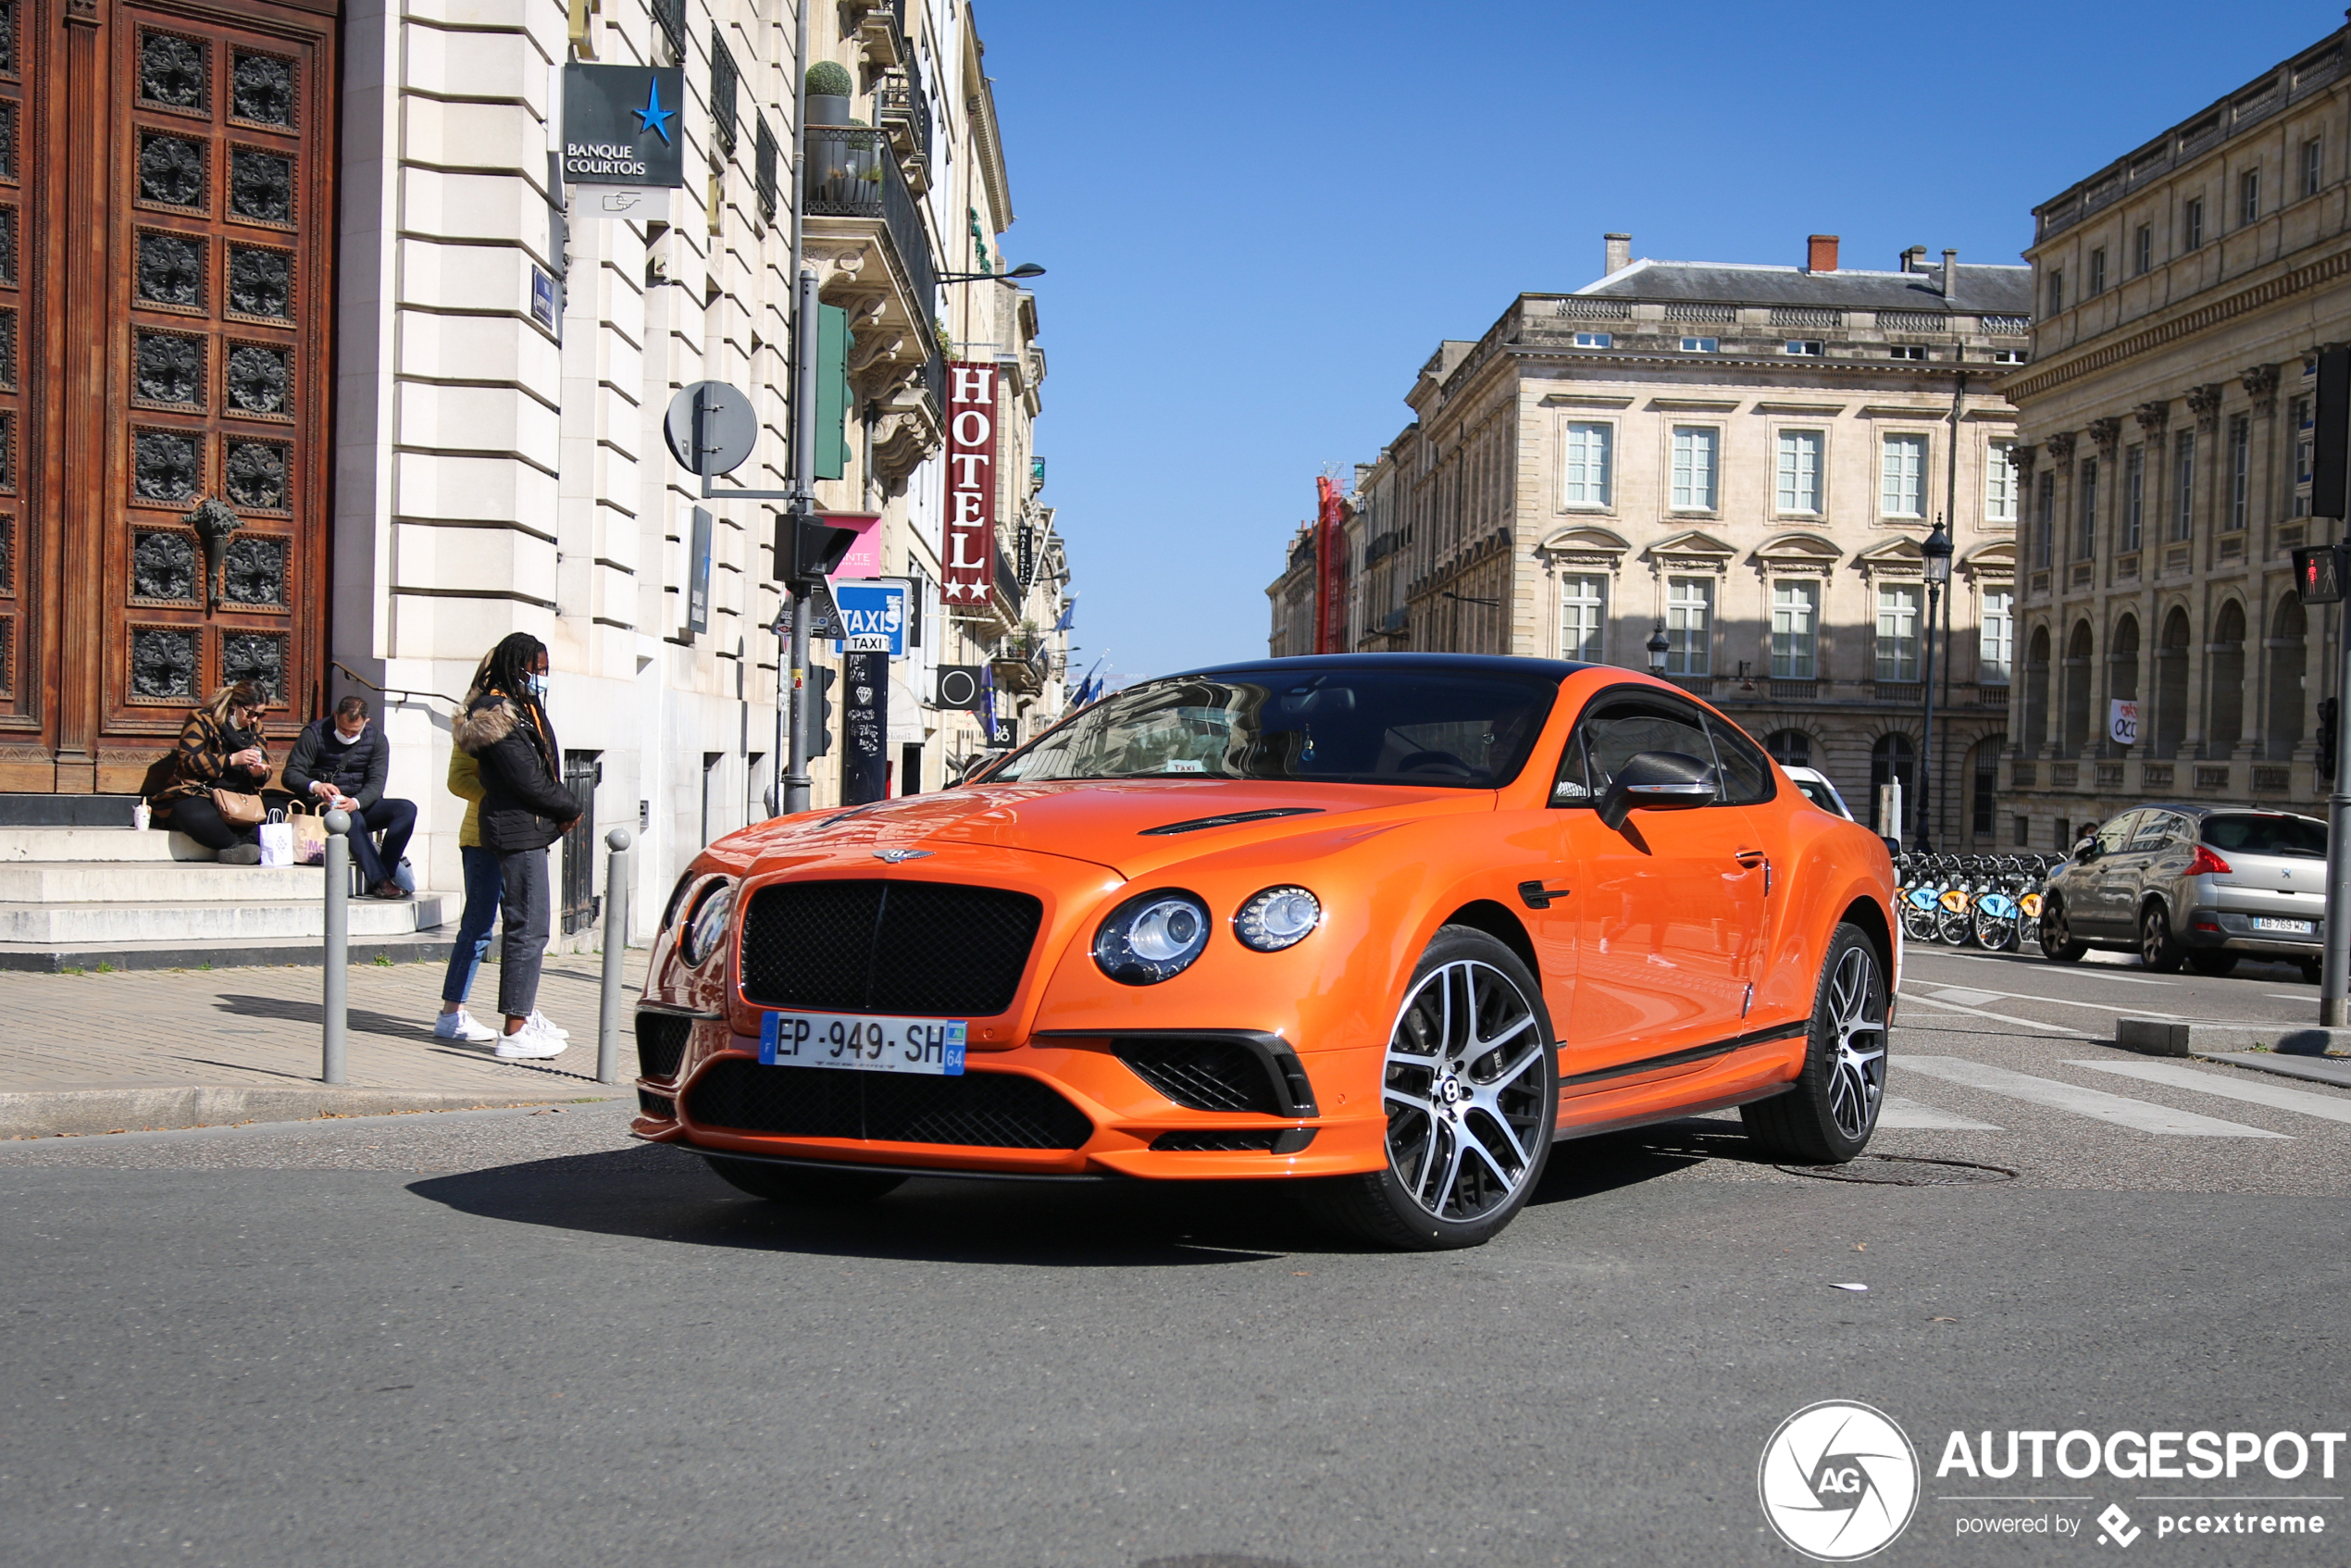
621 125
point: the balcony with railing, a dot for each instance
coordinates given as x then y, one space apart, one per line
866 239
902 109
1022 663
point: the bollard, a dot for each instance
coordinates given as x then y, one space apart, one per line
338 954
616 956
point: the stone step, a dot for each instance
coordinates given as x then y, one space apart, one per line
50 958
98 843
125 882
193 924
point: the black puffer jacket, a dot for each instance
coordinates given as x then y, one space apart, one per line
358 770
524 804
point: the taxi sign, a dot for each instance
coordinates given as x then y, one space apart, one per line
872 617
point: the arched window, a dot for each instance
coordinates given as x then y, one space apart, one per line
2171 686
2077 691
2037 692
2289 657
1892 760
1789 748
1983 783
2227 663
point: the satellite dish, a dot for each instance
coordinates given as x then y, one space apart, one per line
710 428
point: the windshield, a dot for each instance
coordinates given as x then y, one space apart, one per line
2278 834
1462 730
1820 795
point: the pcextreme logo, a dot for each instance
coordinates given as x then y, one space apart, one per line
1838 1481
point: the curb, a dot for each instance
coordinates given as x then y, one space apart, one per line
2310 1069
2162 1037
81 1112
37 960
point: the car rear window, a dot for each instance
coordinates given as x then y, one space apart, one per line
2267 833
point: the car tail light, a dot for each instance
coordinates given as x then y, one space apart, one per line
2206 864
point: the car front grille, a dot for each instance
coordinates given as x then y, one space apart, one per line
1203 1075
925 948
661 1043
657 1105
977 1109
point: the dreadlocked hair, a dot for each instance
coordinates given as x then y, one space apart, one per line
507 667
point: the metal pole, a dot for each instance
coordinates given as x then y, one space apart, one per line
1926 760
791 756
803 446
338 949
2334 965
616 956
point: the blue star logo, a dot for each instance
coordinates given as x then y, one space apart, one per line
652 116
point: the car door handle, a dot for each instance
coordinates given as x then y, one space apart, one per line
1748 858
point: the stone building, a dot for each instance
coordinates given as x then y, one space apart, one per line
1745 458
2165 441
315 262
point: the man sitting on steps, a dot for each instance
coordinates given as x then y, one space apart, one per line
341 763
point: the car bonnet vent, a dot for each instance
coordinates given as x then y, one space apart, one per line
1228 819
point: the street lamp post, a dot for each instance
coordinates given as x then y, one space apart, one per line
1935 552
1659 647
1025 270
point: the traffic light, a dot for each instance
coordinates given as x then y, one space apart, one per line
2329 712
2318 572
808 551
820 727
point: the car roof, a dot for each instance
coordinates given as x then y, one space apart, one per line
1463 664
2200 810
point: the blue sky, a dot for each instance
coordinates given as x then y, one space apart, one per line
1259 219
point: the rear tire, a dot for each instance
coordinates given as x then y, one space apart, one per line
2219 964
1829 1114
2158 949
1471 1088
799 1184
2057 936
2310 971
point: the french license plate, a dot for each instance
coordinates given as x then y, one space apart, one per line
2271 923
864 1044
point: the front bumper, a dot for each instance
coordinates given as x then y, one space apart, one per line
1345 1134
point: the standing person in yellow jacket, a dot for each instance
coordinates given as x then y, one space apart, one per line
484 888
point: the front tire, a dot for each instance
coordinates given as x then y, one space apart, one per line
1471 1086
2158 949
2057 936
801 1184
1827 1117
2217 964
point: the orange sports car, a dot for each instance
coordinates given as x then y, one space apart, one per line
1389 926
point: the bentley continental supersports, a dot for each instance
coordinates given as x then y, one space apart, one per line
1392 927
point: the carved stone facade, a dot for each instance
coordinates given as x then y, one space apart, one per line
2159 570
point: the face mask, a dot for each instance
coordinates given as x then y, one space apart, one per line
350 739
538 685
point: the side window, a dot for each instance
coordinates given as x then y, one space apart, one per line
1570 787
1622 728
2115 837
1747 773
2155 830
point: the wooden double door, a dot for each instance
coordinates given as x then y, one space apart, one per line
166 221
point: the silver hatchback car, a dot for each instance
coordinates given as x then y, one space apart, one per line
2195 885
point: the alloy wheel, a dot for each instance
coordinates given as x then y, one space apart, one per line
1464 1090
1857 1044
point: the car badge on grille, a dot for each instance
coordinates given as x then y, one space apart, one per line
894 856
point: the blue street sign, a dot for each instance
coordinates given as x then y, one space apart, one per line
872 617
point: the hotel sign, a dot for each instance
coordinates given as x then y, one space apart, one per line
969 547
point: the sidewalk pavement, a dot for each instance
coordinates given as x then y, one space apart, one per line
140 1050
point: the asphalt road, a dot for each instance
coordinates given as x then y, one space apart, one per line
2090 995
512 1338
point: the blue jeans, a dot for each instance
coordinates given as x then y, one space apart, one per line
484 888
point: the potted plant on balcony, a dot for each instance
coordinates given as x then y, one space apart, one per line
830 90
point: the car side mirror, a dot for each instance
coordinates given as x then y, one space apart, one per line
2086 850
1657 782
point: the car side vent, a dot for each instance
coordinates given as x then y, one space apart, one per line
1228 819
657 1105
1221 1071
661 1043
1271 1140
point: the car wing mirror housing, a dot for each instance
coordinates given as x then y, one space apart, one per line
1657 782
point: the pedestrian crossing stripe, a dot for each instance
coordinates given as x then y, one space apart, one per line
2228 1085
1901 1113
2120 1110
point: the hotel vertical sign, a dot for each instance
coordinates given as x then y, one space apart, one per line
969 547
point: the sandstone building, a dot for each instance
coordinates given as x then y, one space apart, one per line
1743 458
2165 439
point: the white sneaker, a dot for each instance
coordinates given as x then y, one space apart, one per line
528 1043
460 1024
541 1021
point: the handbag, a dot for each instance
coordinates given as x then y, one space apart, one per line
309 834
277 840
239 809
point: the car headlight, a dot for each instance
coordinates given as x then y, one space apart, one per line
670 911
708 927
1152 938
1278 918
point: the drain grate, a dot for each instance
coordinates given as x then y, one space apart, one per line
1905 1170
